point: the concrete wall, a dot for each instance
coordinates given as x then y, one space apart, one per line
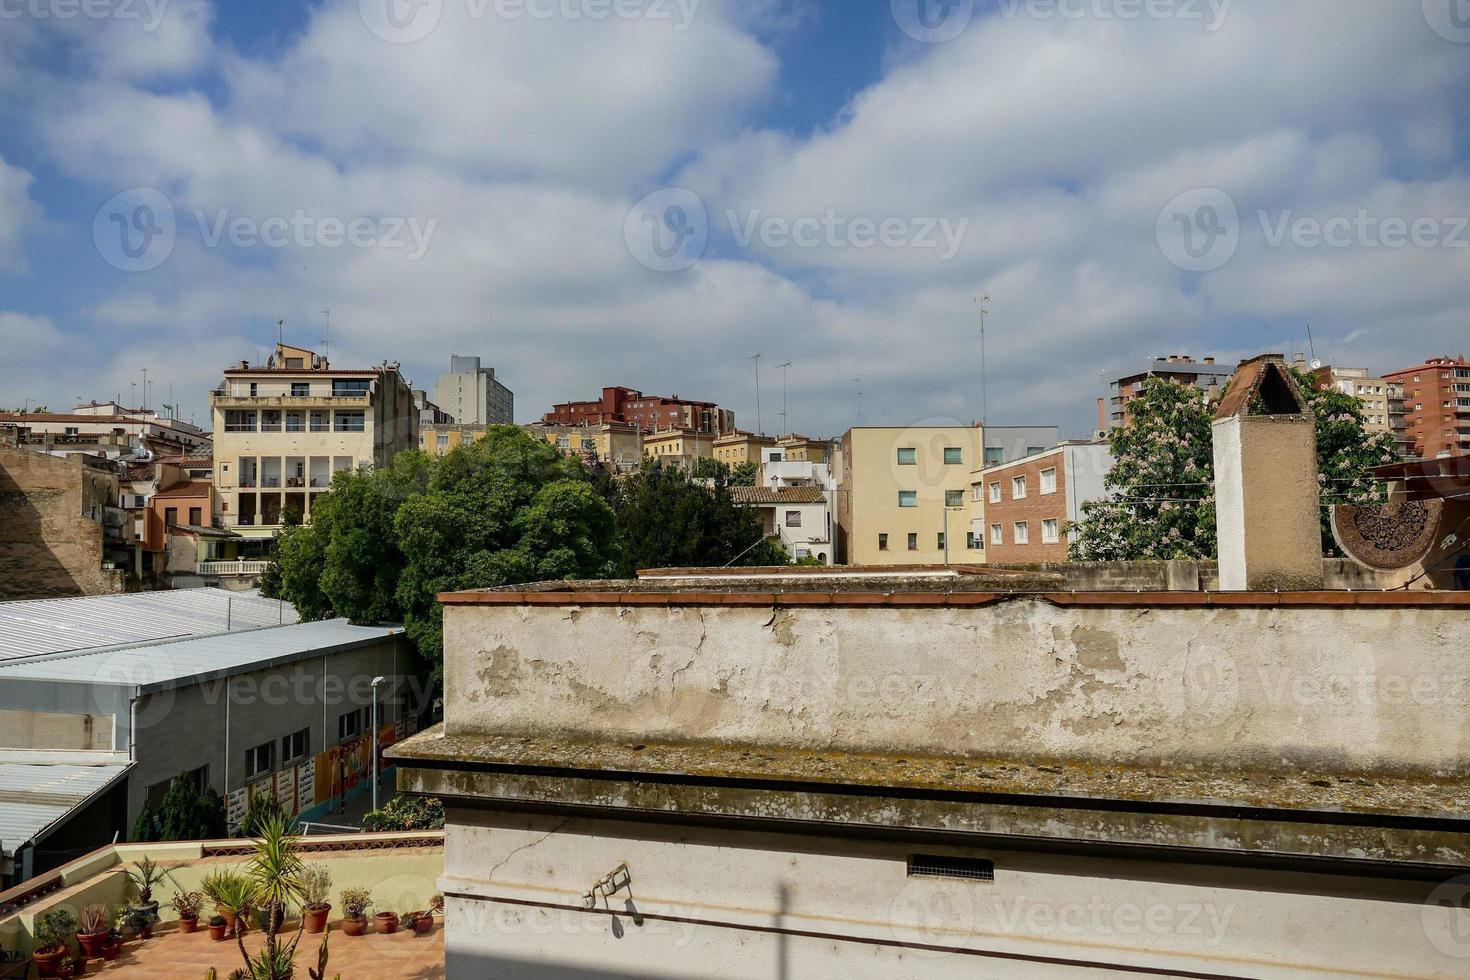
51 531
1268 521
1359 690
744 904
1338 574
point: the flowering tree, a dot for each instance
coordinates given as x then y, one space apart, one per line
1162 483
1346 450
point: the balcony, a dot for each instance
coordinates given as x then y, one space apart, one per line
232 569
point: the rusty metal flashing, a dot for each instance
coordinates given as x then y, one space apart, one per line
331 844
732 594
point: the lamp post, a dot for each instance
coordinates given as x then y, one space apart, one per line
946 531
376 681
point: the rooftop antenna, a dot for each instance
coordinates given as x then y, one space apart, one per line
145 389
759 429
785 405
326 333
1312 348
280 332
859 381
984 302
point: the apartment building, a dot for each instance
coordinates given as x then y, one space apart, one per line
1436 406
904 491
103 429
739 448
651 413
1382 400
681 446
800 517
1027 503
617 445
801 449
283 428
472 395
443 438
1179 368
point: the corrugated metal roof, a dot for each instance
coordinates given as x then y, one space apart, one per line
35 797
162 666
45 626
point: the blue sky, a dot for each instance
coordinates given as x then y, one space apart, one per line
648 199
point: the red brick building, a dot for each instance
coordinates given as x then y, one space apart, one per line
652 413
1436 406
1028 503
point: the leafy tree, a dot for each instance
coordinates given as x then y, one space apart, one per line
1346 452
264 809
745 475
406 813
666 519
709 468
503 510
1162 483
187 814
145 825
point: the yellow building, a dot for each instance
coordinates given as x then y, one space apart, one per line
440 440
616 444
681 446
283 428
800 449
902 490
738 448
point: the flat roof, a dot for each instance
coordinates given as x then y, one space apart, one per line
34 797
168 665
40 627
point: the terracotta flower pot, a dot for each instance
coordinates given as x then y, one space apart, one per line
189 925
386 922
217 933
110 951
146 932
423 925
316 919
92 943
354 927
48 962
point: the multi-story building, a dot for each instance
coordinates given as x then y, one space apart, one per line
651 413
1382 400
1179 368
800 449
739 448
282 429
1436 406
471 395
1027 504
445 437
681 446
800 517
617 445
103 429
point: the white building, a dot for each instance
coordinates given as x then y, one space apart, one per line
472 395
801 516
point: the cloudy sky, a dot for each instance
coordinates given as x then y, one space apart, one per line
648 192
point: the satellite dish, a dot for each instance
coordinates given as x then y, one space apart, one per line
1316 365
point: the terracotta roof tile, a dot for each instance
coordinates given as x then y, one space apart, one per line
786 495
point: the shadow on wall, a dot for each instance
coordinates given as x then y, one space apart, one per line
30 521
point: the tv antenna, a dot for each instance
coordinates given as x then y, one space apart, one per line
984 302
326 332
759 430
785 404
859 382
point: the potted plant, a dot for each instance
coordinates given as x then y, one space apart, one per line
93 931
230 892
218 925
355 903
144 875
316 881
187 904
67 967
420 922
386 922
53 927
113 945
138 919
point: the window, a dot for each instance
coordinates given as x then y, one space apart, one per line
775 457
995 493
882 542
350 387
793 518
1049 481
913 541
294 422
350 724
443 441
1023 532
1018 488
300 389
974 543
260 760
940 545
953 456
954 498
295 746
908 498
350 422
994 455
1034 450
196 516
319 422
908 457
1049 531
997 536
170 515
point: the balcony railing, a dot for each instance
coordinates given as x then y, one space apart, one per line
227 568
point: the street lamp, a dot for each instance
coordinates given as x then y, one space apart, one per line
946 531
376 681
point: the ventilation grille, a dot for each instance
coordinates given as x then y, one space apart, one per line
940 866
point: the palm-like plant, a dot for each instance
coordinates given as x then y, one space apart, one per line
276 881
144 875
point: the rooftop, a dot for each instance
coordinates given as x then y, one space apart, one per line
188 488
36 794
786 495
167 665
40 627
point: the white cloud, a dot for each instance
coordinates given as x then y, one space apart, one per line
18 214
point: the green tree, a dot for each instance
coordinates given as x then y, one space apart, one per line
1346 452
263 810
406 813
1162 483
145 825
667 519
745 475
187 814
504 510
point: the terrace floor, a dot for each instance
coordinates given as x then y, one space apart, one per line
173 955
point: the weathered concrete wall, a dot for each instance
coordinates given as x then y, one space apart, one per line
1365 689
51 535
1338 574
1267 503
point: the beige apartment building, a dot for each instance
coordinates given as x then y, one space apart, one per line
682 446
903 491
441 438
800 449
618 445
1382 400
739 448
283 428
